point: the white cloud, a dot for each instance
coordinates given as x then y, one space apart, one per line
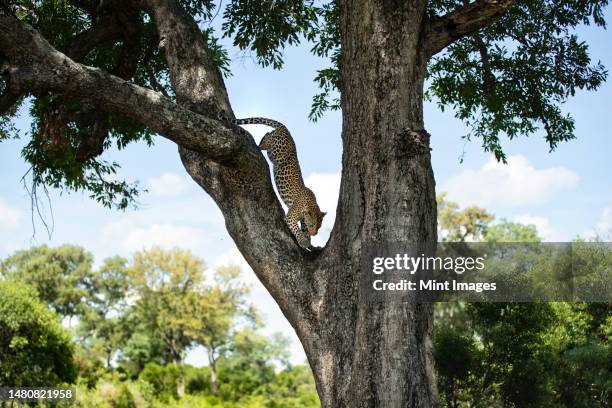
9 216
233 257
132 238
168 185
326 187
606 221
546 231
12 237
603 229
517 183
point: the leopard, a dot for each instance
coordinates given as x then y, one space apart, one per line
304 217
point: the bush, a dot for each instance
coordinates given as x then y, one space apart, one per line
197 380
163 380
110 394
35 350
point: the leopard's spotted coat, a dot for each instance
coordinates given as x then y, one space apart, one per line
303 216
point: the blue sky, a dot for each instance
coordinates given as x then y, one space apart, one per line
565 193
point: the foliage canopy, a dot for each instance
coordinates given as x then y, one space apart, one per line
507 80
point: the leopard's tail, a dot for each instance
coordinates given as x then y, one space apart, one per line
259 121
265 143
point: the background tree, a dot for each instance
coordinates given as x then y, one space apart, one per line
218 310
35 350
581 351
468 224
106 306
254 369
98 80
141 346
251 362
457 356
62 275
524 354
506 231
168 285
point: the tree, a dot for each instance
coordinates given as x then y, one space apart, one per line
251 362
141 347
98 79
524 354
168 285
454 225
218 309
102 319
581 357
456 356
507 231
35 350
62 276
175 304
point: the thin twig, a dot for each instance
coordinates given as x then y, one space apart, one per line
216 14
35 208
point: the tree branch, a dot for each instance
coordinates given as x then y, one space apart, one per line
35 66
225 162
7 100
443 31
10 96
253 215
153 82
86 5
123 24
488 76
105 31
195 78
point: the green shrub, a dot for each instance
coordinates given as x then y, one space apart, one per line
162 379
35 350
197 380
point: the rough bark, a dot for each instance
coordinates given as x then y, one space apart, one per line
35 66
378 355
362 354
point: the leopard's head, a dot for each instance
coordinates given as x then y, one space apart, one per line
313 219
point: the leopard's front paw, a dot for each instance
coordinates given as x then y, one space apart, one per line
304 242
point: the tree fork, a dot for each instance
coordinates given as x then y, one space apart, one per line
362 355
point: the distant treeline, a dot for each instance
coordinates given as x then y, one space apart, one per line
128 324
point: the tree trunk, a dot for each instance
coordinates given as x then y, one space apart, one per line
177 360
109 353
214 387
180 381
362 354
378 355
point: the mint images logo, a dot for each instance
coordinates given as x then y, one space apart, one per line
412 265
490 272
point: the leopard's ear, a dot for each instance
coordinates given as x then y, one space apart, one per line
322 214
